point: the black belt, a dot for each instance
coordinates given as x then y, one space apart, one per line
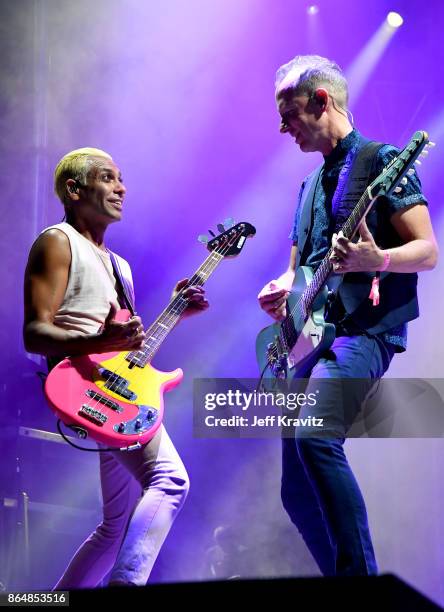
349 328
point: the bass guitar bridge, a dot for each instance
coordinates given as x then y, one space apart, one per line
277 359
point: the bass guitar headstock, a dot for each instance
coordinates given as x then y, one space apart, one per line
232 237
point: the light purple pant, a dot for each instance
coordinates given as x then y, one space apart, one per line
143 491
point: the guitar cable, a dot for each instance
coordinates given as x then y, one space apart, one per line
258 388
78 430
82 434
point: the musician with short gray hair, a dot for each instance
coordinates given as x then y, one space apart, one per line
375 297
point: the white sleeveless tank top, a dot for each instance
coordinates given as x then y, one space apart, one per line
91 285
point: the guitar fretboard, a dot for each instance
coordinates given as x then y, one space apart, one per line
165 322
305 303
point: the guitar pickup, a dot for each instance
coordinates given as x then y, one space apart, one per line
104 400
117 384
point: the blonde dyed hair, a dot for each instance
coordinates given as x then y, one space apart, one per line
75 165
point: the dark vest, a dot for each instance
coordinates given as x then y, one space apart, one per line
399 302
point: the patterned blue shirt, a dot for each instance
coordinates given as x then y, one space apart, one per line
324 222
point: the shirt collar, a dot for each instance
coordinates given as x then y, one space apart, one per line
342 148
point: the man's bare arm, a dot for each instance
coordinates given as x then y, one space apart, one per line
46 279
420 249
418 252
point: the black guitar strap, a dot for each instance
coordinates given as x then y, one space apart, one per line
353 179
362 170
356 182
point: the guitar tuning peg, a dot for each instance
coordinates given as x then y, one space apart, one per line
404 181
398 189
229 222
212 233
424 153
220 228
417 162
203 238
411 171
431 144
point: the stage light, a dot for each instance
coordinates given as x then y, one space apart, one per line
359 71
394 20
313 10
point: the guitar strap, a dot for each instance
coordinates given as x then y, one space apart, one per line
353 181
126 291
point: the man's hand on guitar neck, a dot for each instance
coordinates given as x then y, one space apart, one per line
362 256
195 296
418 251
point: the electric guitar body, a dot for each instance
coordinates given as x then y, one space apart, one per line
118 403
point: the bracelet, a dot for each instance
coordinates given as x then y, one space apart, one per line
386 262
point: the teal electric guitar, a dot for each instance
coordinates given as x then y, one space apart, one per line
292 347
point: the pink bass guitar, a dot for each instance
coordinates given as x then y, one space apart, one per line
117 398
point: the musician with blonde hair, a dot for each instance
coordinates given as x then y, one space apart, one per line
72 293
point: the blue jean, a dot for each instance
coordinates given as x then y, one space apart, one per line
319 490
142 491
